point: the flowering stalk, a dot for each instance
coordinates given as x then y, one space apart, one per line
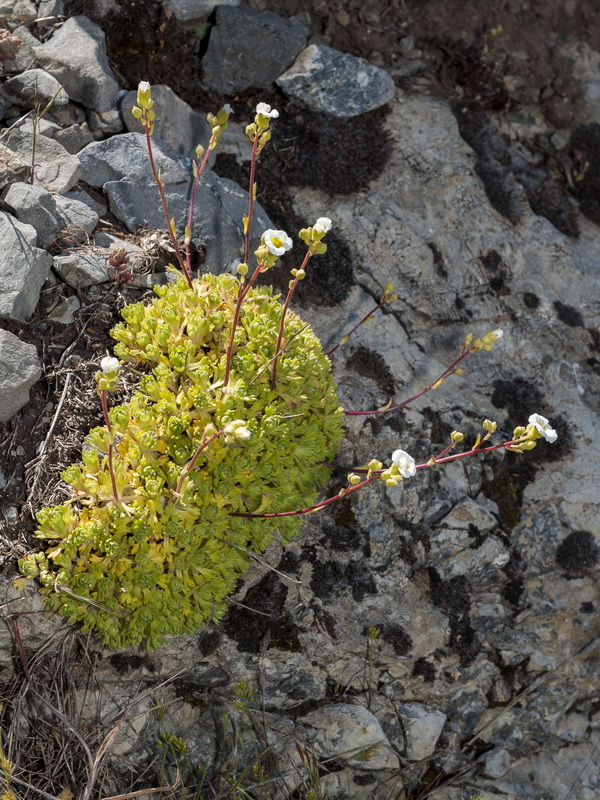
312 237
144 113
388 297
404 466
471 345
259 134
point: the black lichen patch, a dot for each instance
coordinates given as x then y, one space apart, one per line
123 663
499 277
513 590
569 315
453 598
248 628
394 634
330 276
438 260
440 429
342 537
584 154
578 554
337 155
531 300
209 641
587 608
394 421
510 179
372 365
424 669
506 489
519 396
479 77
330 578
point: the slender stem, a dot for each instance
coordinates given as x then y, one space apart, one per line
447 372
242 292
188 256
111 469
251 200
345 338
190 465
282 321
374 477
163 199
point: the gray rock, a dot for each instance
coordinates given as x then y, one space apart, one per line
17 12
177 124
422 728
82 268
335 82
257 46
19 370
64 311
55 169
191 13
126 156
497 763
74 137
217 223
77 219
76 56
12 168
25 55
105 123
50 8
345 730
34 206
33 87
23 269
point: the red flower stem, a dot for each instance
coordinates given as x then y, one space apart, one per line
251 199
163 199
374 477
447 372
111 469
282 321
188 256
242 292
190 464
345 338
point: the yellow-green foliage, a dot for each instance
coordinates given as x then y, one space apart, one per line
161 562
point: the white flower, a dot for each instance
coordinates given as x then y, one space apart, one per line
109 365
228 108
143 87
405 463
265 110
543 427
322 225
278 242
497 334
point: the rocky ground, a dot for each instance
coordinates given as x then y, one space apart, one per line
439 640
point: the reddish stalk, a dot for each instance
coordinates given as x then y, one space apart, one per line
111 469
282 321
447 372
374 477
190 465
345 338
242 292
251 199
163 199
188 255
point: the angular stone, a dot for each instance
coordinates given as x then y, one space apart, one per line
177 124
422 728
55 169
23 269
25 55
190 13
335 82
17 12
126 156
32 87
76 56
12 168
217 223
77 219
74 137
105 123
256 46
34 206
82 269
64 311
19 370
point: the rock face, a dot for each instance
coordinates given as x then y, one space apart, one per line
257 46
19 370
335 82
23 269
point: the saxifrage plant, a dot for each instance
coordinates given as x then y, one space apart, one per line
226 440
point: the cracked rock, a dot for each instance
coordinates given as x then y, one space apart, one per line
19 370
